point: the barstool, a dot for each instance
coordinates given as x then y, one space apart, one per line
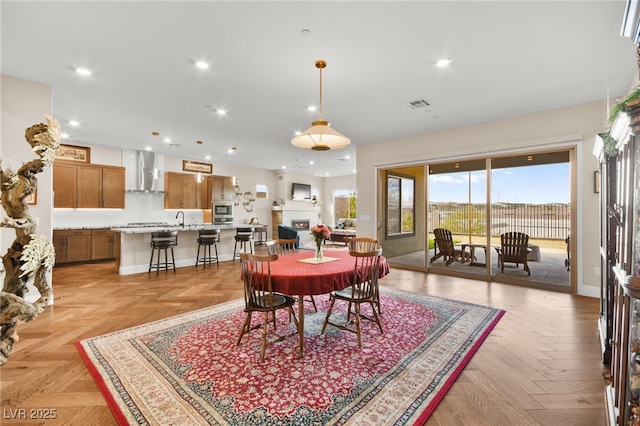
208 238
242 237
163 241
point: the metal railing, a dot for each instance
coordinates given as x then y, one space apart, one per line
550 221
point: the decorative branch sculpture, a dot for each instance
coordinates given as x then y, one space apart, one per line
30 257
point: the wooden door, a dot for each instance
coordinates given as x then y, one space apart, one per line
89 186
113 179
64 185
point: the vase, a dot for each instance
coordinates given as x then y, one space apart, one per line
318 255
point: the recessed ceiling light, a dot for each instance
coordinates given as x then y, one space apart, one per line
199 142
147 148
74 123
347 156
202 65
283 167
298 132
443 62
311 162
221 111
155 134
64 135
207 157
232 150
167 140
84 72
312 108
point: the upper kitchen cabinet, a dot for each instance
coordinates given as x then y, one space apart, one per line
222 188
182 191
88 186
65 187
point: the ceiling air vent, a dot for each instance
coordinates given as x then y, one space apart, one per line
420 103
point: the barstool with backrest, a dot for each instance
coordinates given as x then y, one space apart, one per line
208 238
243 237
163 241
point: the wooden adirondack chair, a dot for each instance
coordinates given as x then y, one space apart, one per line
514 248
445 248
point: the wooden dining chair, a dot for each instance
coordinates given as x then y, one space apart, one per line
260 297
283 247
364 280
514 248
362 244
365 244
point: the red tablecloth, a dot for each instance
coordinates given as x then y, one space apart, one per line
289 276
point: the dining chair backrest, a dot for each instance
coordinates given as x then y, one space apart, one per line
365 274
362 244
283 246
256 275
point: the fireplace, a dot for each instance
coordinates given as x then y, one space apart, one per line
300 224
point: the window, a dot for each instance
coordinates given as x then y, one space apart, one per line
400 206
261 191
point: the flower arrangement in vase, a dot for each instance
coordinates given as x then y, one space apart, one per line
320 233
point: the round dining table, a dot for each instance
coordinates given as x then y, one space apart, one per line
299 274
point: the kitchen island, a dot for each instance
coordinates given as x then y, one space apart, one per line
133 249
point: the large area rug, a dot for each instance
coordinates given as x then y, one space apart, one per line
187 369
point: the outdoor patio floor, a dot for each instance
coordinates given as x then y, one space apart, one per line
550 269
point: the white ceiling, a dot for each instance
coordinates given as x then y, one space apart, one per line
508 58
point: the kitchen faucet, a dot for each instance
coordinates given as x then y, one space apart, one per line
178 214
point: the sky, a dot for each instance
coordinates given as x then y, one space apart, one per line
530 185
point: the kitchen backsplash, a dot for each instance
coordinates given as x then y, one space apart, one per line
140 207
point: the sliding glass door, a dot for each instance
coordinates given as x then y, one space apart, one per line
452 217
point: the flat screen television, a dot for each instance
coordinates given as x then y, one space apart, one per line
300 191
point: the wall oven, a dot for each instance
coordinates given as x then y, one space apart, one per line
222 212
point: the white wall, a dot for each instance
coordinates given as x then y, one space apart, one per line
24 104
571 126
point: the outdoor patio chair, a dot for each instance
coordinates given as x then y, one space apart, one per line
514 248
445 248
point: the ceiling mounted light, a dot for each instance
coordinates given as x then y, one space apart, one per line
320 137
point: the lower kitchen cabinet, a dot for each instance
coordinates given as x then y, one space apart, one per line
73 245
102 244
84 245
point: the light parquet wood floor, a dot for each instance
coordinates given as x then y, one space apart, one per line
540 365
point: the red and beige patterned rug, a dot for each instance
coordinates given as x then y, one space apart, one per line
187 369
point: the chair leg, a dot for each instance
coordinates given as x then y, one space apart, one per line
357 314
265 329
245 328
215 246
198 256
173 261
326 319
151 260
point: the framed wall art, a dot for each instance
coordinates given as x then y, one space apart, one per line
80 154
194 166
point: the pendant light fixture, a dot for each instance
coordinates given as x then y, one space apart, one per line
320 136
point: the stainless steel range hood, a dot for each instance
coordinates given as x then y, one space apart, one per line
144 171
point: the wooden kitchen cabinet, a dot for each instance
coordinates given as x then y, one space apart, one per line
64 185
182 191
88 186
103 244
84 245
72 245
